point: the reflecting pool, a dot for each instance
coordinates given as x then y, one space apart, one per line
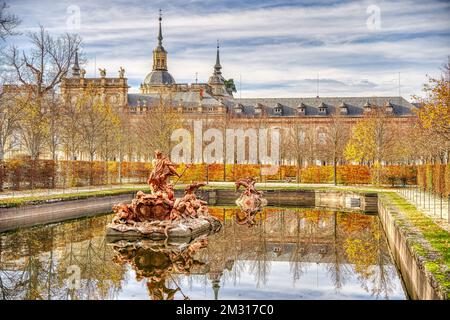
285 254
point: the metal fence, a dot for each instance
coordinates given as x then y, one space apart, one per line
432 204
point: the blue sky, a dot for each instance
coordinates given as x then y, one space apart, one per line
277 48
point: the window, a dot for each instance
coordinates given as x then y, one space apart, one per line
322 137
301 137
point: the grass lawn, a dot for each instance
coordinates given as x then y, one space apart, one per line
438 238
15 202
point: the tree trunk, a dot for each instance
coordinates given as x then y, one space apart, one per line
2 168
91 170
335 171
120 169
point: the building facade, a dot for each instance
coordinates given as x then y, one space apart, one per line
308 118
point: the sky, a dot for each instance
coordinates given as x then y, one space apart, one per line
273 48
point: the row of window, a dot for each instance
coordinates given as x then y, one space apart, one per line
322 110
189 109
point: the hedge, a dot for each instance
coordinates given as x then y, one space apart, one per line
24 174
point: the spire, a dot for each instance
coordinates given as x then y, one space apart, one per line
217 66
160 37
76 66
159 53
216 287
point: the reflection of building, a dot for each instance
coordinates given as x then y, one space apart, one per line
330 239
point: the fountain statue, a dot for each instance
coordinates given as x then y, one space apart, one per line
159 215
251 201
157 262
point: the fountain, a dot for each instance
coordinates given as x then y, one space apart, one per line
159 215
251 201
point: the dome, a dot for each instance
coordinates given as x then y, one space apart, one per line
216 79
159 77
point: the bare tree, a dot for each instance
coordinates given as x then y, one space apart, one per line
70 133
156 126
295 144
336 139
9 113
46 63
8 22
39 71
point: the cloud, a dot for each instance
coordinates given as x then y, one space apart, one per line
275 47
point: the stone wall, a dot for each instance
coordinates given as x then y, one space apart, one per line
26 216
419 283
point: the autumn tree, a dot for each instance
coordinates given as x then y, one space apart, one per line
9 110
372 139
336 139
96 123
156 126
70 133
434 113
33 123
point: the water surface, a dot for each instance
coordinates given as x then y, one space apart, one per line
287 254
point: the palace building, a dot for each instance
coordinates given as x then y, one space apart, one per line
214 101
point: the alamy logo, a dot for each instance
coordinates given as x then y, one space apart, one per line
73 280
241 146
73 21
373 22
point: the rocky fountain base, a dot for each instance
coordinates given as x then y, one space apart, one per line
156 216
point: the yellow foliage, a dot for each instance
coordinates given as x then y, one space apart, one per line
434 115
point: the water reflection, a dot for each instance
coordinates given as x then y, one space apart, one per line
156 262
286 254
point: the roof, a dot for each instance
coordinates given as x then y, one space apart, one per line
185 99
289 106
355 105
158 77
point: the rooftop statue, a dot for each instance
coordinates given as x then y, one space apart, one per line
251 201
102 72
121 72
160 215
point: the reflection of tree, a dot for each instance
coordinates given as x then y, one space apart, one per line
260 265
337 269
295 257
34 262
366 250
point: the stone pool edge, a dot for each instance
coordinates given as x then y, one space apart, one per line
65 209
420 283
